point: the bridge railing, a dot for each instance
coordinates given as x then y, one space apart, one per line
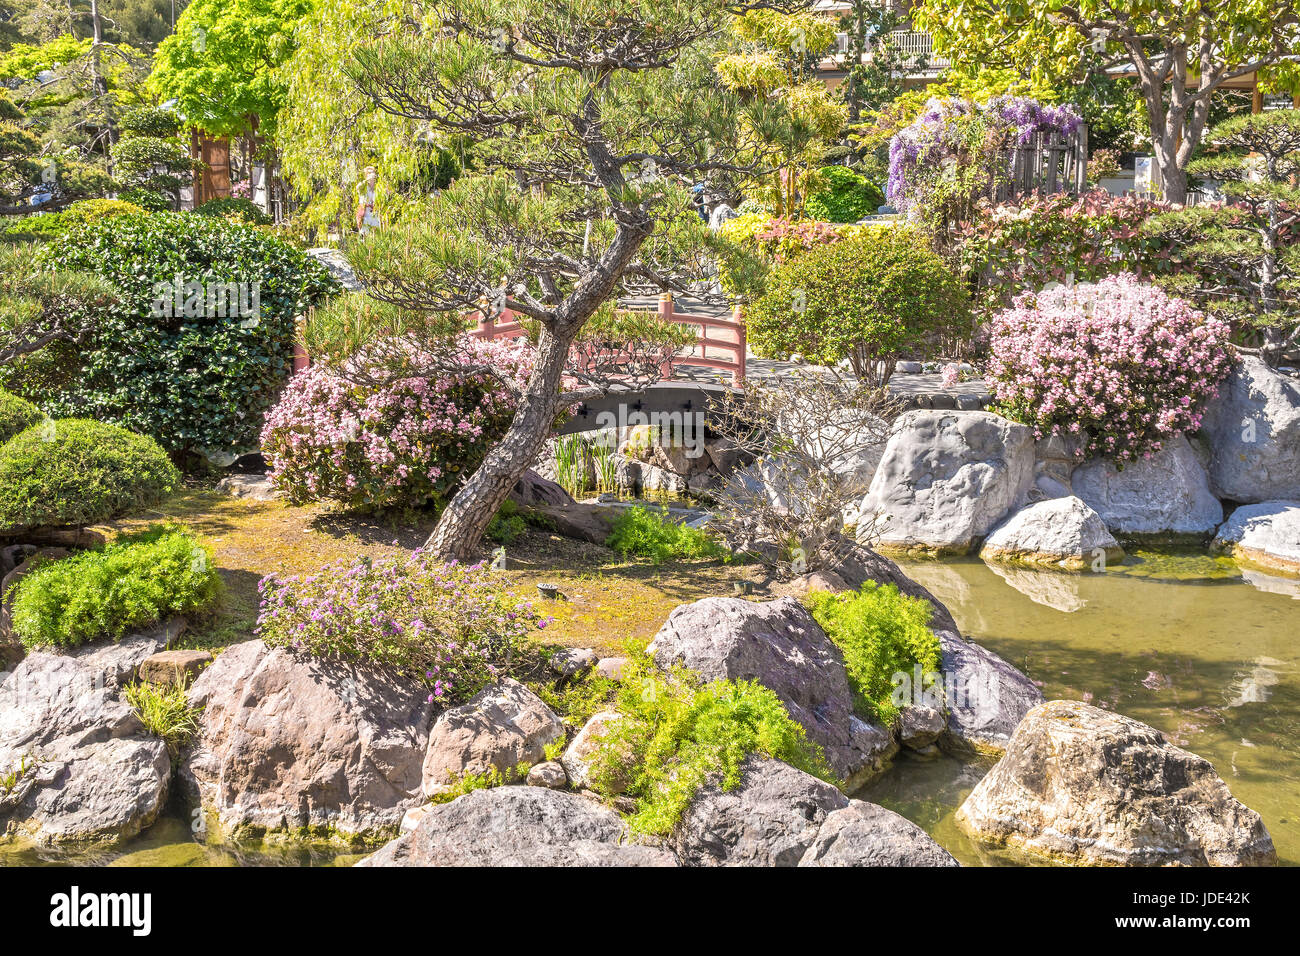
716 335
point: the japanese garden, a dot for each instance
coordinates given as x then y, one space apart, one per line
674 433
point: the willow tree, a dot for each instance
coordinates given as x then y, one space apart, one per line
588 121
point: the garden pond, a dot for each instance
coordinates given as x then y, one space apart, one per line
1202 650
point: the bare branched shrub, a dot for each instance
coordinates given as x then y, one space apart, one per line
815 437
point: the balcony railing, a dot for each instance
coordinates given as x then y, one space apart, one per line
915 49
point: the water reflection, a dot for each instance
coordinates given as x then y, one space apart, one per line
1058 590
1187 643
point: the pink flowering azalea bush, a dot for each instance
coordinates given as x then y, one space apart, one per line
404 444
453 627
1119 362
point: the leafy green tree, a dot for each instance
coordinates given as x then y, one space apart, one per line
776 61
869 299
586 121
1181 53
221 64
328 133
1245 257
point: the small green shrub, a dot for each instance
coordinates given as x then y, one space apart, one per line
165 712
869 298
235 210
105 594
508 525
646 534
676 735
580 699
845 196
881 632
16 415
469 782
79 472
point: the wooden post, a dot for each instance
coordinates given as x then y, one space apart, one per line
666 315
738 376
300 357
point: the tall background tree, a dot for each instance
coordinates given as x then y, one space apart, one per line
1180 53
221 66
587 122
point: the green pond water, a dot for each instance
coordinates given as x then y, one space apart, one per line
1203 651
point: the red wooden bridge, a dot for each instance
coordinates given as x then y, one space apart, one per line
719 345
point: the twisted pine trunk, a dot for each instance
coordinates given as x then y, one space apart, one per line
462 524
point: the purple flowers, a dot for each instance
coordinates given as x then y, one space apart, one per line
950 129
451 626
1120 361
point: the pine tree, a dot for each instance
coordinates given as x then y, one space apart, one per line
1243 257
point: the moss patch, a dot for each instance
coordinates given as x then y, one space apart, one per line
605 598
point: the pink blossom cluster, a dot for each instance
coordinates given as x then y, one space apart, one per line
402 444
1119 363
452 627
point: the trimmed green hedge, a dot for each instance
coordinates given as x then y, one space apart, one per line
846 197
79 472
107 594
197 379
16 414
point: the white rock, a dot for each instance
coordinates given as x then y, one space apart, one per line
947 478
1265 534
1167 493
1253 430
1059 533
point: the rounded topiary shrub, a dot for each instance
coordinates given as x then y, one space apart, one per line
16 414
845 196
200 342
79 472
867 298
1121 362
403 444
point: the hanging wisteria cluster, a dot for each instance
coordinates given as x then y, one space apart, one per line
935 138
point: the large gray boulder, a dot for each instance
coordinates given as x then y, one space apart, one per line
1059 533
90 772
1168 493
290 742
519 826
1083 785
1253 431
770 819
863 834
946 479
779 644
985 696
1265 534
503 725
